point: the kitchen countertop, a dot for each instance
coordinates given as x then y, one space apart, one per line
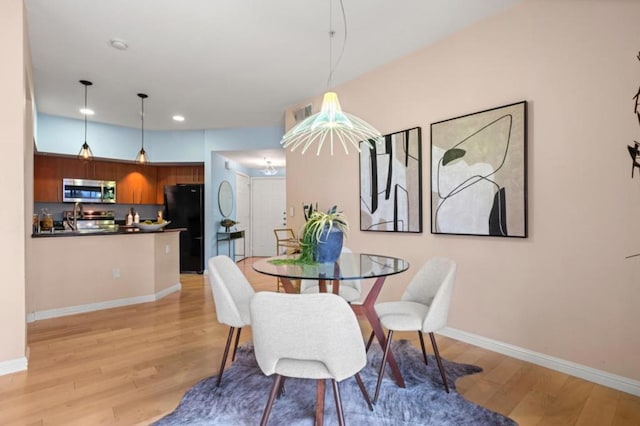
83 233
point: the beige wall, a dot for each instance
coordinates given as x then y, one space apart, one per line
166 253
12 175
73 272
566 291
29 147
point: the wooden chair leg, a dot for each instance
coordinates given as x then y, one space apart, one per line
369 341
338 400
235 346
424 352
365 394
439 361
282 391
224 356
320 386
382 365
272 396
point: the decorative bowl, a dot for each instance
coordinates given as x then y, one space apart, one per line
151 226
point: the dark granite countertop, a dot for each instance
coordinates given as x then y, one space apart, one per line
123 230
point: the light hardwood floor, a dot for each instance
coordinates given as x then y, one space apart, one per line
132 365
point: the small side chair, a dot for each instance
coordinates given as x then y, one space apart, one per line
424 307
308 336
232 294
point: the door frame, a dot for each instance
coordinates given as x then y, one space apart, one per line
262 178
248 227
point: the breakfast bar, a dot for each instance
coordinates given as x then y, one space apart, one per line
76 272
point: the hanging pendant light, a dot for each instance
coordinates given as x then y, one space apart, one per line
85 152
331 122
268 170
142 157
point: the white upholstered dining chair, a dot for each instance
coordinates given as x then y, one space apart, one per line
308 336
349 290
424 307
232 294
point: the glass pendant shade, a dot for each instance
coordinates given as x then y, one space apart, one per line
330 124
269 170
142 157
85 152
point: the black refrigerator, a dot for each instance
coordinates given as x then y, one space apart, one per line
184 207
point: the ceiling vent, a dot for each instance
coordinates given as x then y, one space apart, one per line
302 113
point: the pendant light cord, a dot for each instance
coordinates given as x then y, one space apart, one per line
142 118
332 33
85 113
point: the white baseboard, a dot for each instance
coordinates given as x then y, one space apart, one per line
13 365
79 309
167 291
600 377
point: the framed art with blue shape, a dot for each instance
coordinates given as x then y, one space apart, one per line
479 173
391 183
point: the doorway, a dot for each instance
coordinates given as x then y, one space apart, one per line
269 202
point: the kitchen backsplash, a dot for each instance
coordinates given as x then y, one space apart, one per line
146 211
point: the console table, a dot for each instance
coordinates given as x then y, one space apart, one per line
228 237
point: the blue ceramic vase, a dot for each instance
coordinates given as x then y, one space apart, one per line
328 249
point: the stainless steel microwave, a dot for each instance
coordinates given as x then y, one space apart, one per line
88 191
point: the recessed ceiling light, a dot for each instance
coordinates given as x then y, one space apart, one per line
178 118
118 44
86 111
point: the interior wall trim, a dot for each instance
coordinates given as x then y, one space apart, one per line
584 372
79 309
13 365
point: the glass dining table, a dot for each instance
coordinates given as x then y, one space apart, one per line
350 266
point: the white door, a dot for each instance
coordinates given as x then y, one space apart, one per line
243 214
269 202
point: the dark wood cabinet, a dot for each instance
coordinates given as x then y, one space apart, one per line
135 183
47 183
173 175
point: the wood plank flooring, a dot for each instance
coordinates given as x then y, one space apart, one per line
132 365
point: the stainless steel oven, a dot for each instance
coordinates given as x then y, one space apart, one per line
88 191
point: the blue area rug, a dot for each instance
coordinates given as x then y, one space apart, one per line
242 396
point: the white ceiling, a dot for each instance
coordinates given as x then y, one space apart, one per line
220 63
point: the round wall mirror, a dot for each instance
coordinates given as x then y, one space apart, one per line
225 198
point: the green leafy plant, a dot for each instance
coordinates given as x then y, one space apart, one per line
313 231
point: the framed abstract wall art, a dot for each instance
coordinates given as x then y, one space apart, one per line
391 183
479 173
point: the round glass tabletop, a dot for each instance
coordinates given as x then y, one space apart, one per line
350 266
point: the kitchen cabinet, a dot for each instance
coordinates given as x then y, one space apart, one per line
173 175
135 183
189 174
47 183
73 168
101 170
166 175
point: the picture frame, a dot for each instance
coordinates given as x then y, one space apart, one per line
479 173
391 183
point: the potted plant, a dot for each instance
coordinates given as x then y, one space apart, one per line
321 237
